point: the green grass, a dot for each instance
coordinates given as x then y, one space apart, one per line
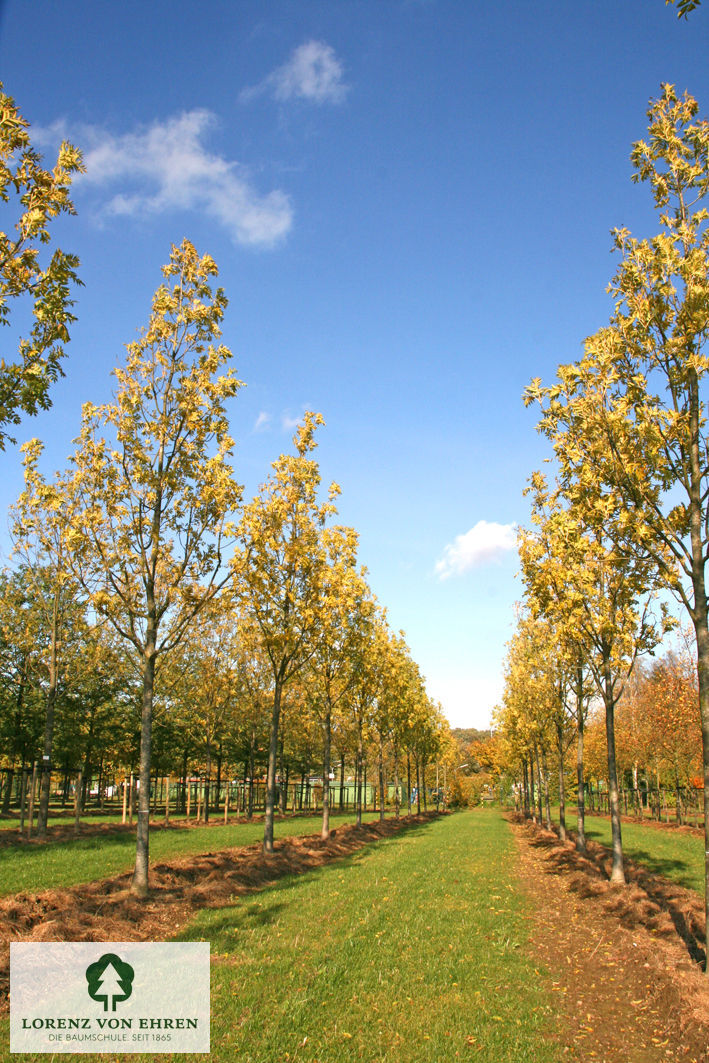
70 862
675 855
413 950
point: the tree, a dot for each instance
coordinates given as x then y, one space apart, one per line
603 594
684 7
153 503
279 573
42 195
41 529
634 408
345 609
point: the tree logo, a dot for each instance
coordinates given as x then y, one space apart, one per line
110 979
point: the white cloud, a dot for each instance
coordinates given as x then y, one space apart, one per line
263 422
166 166
312 73
486 541
288 422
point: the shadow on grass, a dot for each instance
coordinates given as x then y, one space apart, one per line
678 870
649 892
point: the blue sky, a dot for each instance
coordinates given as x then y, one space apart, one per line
409 202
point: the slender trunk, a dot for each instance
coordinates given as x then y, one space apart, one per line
702 633
617 872
283 790
45 785
539 784
525 786
418 787
397 799
77 803
218 788
208 779
327 743
8 791
17 735
252 768
562 787
23 798
183 801
271 772
360 759
408 782
30 814
139 884
381 777
580 798
547 803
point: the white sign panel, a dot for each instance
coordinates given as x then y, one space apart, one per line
109 997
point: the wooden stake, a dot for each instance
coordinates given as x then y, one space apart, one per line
167 798
125 800
131 799
226 804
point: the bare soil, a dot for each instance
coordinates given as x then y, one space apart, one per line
626 961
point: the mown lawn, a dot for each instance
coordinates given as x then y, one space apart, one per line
413 950
677 856
66 863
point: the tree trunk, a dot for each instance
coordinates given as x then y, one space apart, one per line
45 785
580 798
397 799
545 777
207 780
539 786
701 628
271 772
252 768
327 742
358 773
139 884
218 790
562 787
381 778
617 872
77 803
33 787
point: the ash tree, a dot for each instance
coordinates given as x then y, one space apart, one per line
27 281
280 573
153 489
632 413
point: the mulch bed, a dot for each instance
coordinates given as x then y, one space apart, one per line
625 961
108 911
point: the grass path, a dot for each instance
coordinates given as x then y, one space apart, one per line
412 950
70 862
